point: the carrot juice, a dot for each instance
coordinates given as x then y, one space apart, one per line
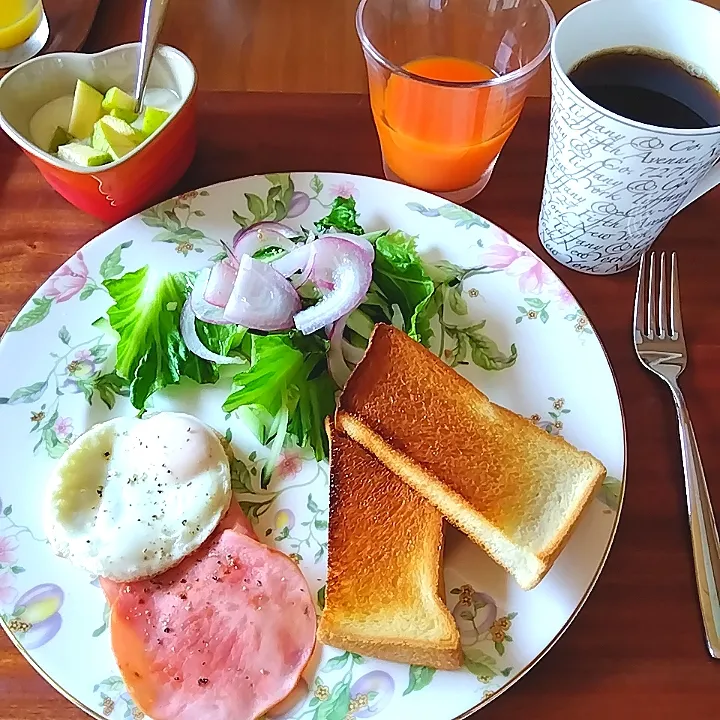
442 137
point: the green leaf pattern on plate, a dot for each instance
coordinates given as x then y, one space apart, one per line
173 218
114 701
36 314
462 217
420 677
77 369
274 207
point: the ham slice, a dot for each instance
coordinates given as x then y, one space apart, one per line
223 636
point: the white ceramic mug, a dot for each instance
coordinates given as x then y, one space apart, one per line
612 184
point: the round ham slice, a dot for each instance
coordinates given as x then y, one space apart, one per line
223 636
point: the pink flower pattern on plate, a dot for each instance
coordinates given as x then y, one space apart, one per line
8 550
564 296
345 189
509 255
63 427
8 593
69 280
289 464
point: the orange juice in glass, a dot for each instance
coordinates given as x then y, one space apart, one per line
448 80
23 30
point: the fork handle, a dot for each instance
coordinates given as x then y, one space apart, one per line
703 530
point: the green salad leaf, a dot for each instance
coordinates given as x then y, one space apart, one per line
224 339
151 353
288 374
400 275
342 217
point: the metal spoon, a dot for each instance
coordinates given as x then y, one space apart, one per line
153 17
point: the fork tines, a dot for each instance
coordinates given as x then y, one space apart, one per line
657 299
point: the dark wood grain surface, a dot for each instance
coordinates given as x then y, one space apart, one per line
268 45
636 651
70 22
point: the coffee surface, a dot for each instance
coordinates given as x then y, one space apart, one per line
647 87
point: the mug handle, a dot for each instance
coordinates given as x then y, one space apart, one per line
708 182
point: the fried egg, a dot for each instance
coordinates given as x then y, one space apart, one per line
131 498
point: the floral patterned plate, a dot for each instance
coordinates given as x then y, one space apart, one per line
506 323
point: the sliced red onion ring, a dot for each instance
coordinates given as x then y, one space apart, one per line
362 242
352 353
261 299
195 345
337 365
262 234
204 310
300 260
221 281
345 265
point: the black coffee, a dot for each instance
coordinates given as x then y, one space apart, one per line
647 87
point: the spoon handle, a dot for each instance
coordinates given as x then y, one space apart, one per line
153 17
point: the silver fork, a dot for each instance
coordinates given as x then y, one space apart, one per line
660 346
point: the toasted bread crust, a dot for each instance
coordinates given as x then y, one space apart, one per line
401 652
384 566
514 489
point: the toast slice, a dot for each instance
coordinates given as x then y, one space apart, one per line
384 566
513 488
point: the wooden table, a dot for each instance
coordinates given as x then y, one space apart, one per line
268 45
636 651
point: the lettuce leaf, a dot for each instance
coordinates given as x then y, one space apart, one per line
224 339
341 218
288 373
400 275
151 353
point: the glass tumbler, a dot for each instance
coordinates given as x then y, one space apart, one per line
24 31
448 80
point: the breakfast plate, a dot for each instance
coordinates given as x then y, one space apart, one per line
505 322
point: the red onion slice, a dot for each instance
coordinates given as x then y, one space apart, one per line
221 281
300 260
337 366
352 353
261 299
195 345
350 273
262 234
362 242
204 310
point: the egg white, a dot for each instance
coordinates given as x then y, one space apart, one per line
131 498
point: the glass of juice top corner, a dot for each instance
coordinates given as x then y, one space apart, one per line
24 31
448 80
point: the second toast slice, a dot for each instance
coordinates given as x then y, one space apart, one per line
384 566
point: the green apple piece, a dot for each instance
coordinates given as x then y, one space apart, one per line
117 99
106 139
153 119
129 116
84 155
123 127
60 137
86 110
